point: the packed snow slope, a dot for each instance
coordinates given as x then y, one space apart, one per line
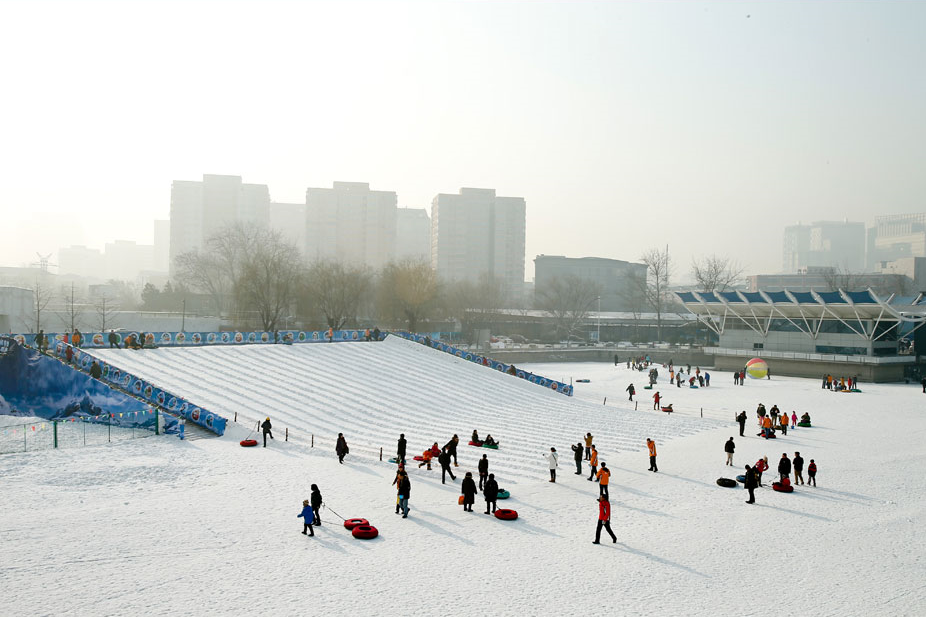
372 392
163 527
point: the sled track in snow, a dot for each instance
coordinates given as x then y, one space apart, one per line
401 387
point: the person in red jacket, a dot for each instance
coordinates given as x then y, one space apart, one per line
604 519
761 465
656 402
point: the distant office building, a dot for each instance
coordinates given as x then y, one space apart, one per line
476 232
413 234
898 277
81 261
822 244
200 209
351 224
17 312
162 245
124 260
614 277
896 236
290 221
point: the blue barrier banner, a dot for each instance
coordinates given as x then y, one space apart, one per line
93 340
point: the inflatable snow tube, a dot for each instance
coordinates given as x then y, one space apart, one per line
492 447
503 494
693 387
804 424
741 479
478 444
248 443
419 458
647 387
506 515
354 522
364 532
726 482
782 488
854 390
667 409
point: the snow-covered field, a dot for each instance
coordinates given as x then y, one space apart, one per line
159 526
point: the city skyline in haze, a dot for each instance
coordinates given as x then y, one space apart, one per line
708 127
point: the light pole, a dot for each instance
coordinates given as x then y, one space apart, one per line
183 316
599 320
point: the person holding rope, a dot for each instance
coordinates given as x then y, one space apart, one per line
316 499
266 426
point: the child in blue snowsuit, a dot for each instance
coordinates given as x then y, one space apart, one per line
308 517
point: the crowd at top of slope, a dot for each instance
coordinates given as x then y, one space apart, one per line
371 393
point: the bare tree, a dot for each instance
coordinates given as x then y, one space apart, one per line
475 303
73 308
568 300
41 296
716 273
658 274
269 278
837 277
105 309
408 291
336 291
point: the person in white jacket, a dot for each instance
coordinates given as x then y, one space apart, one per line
553 458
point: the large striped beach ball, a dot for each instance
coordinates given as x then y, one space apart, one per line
757 368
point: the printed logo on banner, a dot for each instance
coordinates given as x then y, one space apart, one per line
181 337
210 338
6 344
85 361
239 337
554 385
105 371
183 408
226 337
209 420
172 405
302 336
165 337
355 336
315 336
195 414
19 338
161 397
469 357
126 380
148 391
137 386
264 337
252 337
97 339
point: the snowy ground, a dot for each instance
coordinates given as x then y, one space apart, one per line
158 526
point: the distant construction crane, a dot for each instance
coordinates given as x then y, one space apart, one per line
43 262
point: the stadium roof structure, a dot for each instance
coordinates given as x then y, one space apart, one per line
863 312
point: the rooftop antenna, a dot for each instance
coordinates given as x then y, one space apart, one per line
43 262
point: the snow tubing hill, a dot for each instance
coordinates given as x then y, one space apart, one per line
506 515
364 532
355 522
726 482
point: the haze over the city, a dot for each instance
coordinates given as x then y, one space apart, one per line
704 126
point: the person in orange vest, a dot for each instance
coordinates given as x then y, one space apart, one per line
656 398
651 445
426 456
593 463
330 334
604 519
603 476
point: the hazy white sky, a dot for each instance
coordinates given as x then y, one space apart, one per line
702 125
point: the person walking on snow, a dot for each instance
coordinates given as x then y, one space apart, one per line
468 488
341 448
397 483
593 464
266 426
604 519
656 402
812 473
603 475
729 447
307 517
750 483
631 391
793 420
741 419
400 449
736 378
316 498
426 457
553 459
490 492
588 445
451 448
784 466
405 487
444 460
577 450
651 446
798 463
483 471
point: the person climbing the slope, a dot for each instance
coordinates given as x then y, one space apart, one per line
341 448
265 427
603 476
651 446
400 449
444 460
451 448
593 464
588 445
630 390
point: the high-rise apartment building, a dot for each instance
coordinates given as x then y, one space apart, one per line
81 261
824 244
290 221
162 245
200 209
351 224
413 234
476 232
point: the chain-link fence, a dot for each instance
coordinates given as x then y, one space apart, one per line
70 433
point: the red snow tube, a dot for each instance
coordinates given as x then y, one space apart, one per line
782 488
248 443
478 444
355 522
506 515
365 532
418 458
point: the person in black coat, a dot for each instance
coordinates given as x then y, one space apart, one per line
400 450
490 492
751 483
784 466
444 460
578 449
405 487
798 468
265 427
95 371
729 447
316 499
113 339
452 449
341 448
469 492
483 471
741 418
